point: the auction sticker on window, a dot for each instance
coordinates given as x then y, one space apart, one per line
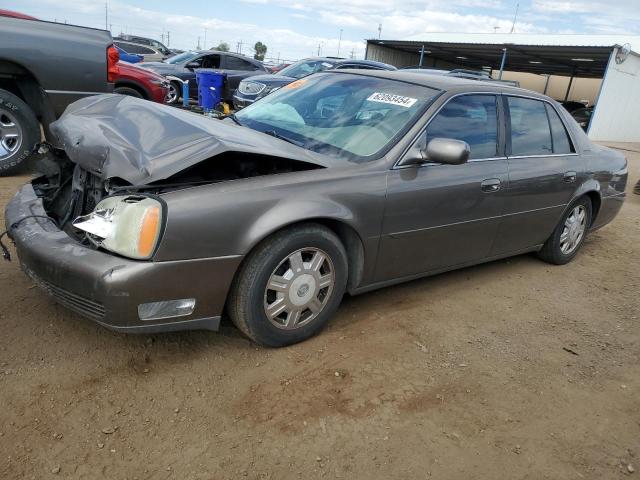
392 99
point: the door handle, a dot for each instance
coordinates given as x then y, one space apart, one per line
569 177
490 185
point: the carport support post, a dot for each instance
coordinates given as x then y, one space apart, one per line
566 95
421 55
504 60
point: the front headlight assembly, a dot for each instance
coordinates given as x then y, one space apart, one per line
127 225
251 88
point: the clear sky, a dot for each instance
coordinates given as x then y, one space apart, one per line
294 29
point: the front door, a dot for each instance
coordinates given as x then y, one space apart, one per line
544 172
440 216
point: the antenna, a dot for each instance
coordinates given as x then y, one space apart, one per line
379 30
515 17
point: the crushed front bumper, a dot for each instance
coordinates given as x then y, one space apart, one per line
107 288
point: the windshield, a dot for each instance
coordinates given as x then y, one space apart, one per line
349 116
304 67
181 58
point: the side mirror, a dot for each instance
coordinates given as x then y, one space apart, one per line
447 151
192 65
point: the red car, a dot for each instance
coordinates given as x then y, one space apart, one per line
9 13
141 83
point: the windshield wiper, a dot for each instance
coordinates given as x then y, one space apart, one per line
233 117
275 134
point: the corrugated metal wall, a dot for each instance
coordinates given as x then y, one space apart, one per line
616 117
400 59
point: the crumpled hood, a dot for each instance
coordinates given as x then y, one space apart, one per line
142 142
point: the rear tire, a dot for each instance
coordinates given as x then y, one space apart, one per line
131 92
568 237
289 286
19 132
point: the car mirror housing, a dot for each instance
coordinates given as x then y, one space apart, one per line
447 151
192 65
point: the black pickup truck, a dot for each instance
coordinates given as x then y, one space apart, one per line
45 66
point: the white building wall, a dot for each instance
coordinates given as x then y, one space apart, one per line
617 113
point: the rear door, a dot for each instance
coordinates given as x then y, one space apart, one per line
439 216
544 172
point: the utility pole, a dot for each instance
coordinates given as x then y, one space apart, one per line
205 38
339 42
198 47
353 51
379 30
168 39
319 48
239 47
495 29
513 25
106 15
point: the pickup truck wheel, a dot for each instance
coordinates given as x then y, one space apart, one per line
131 92
19 132
289 286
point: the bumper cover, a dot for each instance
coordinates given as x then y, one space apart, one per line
107 288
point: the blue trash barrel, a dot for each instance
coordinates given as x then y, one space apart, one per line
210 87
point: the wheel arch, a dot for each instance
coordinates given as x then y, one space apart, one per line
591 190
349 236
133 85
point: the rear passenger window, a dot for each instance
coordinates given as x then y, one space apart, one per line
530 132
559 136
470 118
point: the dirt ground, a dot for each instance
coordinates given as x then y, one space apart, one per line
514 369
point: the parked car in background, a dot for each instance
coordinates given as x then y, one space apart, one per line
583 116
150 42
128 57
139 82
45 66
273 214
257 87
461 73
12 14
274 68
148 53
183 66
572 105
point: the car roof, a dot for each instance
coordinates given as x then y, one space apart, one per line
442 82
372 63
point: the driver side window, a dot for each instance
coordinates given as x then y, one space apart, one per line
210 61
472 119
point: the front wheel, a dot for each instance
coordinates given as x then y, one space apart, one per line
569 235
289 286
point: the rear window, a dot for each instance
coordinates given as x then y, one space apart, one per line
530 131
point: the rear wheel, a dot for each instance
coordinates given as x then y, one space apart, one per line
19 132
569 235
131 92
289 286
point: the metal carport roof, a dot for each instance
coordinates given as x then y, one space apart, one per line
576 60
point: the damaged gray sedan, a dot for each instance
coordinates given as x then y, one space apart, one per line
149 218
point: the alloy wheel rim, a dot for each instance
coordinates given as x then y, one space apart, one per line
10 134
573 230
299 288
172 95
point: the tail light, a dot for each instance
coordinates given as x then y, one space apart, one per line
112 63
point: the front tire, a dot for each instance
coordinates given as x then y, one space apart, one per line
19 132
289 286
565 241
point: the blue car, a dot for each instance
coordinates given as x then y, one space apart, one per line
129 57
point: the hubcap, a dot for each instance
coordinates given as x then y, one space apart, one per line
10 134
172 95
573 231
299 288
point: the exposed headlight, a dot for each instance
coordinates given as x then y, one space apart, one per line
251 88
128 225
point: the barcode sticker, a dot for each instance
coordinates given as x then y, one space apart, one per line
392 99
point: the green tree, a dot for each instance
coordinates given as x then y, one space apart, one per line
222 47
260 49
